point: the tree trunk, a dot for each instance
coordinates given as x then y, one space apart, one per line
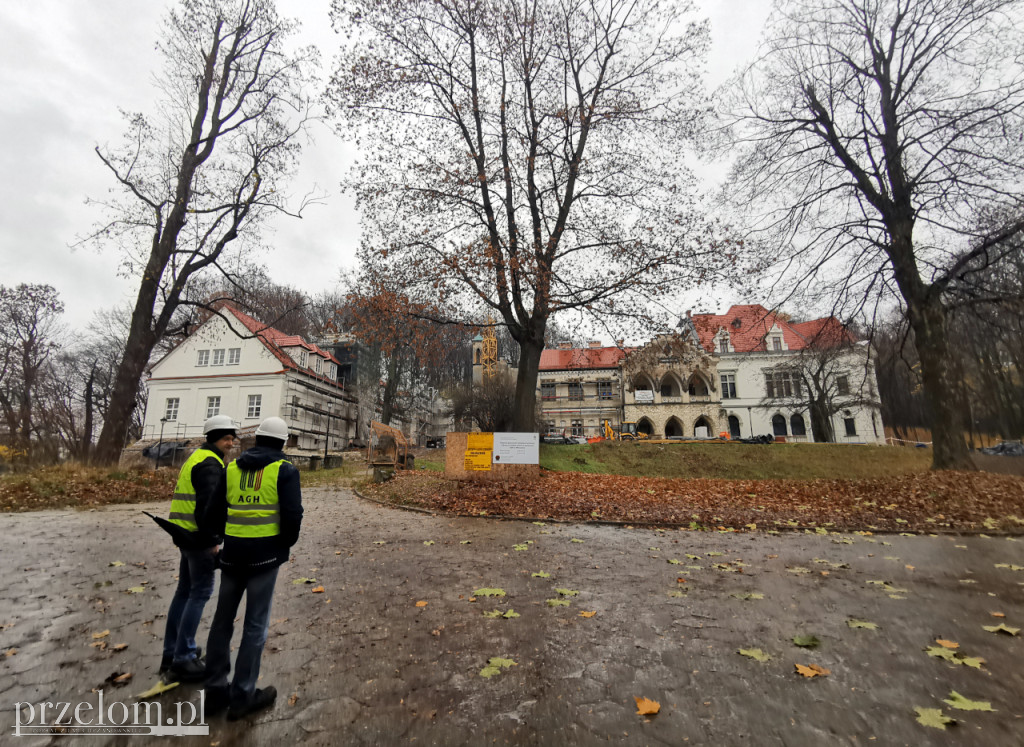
86 444
390 389
949 451
524 413
137 349
821 421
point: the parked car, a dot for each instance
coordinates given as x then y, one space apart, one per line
558 438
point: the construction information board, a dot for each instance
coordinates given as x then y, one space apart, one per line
479 447
516 448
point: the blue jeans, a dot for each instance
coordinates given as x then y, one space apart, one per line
259 592
195 586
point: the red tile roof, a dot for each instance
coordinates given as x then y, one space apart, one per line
748 327
274 340
581 358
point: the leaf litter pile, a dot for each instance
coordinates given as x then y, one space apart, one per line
931 501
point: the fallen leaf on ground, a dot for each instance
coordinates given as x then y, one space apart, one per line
947 644
495 665
754 653
1001 628
956 700
748 595
557 602
318 590
428 543
489 592
998 614
101 645
119 679
806 641
10 652
119 647
101 634
159 688
567 592
588 614
541 574
862 624
933 717
115 563
812 670
646 707
521 547
293 699
421 603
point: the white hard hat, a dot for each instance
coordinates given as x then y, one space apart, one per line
218 423
274 428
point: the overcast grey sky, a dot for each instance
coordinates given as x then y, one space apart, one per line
68 67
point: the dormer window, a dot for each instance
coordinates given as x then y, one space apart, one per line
776 342
319 364
303 359
723 344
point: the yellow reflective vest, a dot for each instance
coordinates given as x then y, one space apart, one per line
183 506
253 509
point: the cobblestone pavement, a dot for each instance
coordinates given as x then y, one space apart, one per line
367 662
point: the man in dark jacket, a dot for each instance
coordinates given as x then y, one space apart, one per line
259 514
200 482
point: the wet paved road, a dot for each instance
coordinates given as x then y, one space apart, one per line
368 666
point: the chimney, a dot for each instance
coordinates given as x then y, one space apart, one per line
594 344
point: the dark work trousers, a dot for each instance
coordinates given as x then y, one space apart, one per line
259 592
195 585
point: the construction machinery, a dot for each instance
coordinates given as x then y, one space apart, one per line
627 432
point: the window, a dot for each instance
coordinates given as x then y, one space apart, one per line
218 357
779 425
842 385
319 364
797 426
234 356
697 387
255 405
577 427
776 343
212 406
781 384
723 345
547 390
575 390
171 408
549 426
303 359
734 426
295 407
604 389
203 358
851 426
728 386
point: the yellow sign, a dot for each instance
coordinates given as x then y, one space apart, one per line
476 441
479 452
478 460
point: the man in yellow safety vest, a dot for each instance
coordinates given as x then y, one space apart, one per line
200 481
260 514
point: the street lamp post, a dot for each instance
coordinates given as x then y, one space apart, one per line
160 447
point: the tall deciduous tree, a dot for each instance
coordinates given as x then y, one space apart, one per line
874 133
205 173
527 156
29 318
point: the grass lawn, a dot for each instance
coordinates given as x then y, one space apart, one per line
735 461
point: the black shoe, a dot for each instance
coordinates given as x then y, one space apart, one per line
167 661
262 698
217 700
190 671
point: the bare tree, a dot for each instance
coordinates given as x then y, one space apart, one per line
527 157
29 321
873 133
205 174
